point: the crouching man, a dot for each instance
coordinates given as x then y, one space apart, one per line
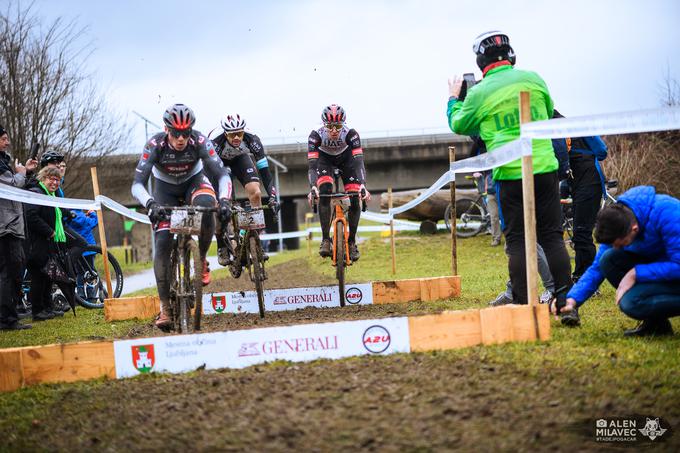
639 255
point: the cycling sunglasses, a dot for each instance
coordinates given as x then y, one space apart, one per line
234 135
334 126
177 133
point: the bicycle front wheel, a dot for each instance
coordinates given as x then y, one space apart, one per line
194 285
258 272
472 219
339 239
91 288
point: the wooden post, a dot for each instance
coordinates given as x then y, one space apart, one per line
452 220
308 216
529 209
102 232
394 251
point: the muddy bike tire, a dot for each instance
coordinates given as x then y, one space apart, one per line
195 283
339 238
258 272
472 219
97 279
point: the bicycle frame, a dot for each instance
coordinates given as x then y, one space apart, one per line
339 217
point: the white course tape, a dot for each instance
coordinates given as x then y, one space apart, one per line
26 196
500 156
605 124
122 210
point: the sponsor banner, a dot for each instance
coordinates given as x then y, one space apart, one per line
286 299
242 348
172 354
316 341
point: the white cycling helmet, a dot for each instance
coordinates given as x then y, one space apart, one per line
233 123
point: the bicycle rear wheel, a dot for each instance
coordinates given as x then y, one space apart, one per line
258 271
447 217
339 239
91 289
472 219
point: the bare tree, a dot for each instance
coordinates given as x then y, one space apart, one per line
48 96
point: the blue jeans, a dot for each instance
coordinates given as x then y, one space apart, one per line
656 300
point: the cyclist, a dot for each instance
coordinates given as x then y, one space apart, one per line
235 147
179 159
335 145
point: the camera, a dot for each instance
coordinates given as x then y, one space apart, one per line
468 82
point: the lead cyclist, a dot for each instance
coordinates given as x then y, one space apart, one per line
180 160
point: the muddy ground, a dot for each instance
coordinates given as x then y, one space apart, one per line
417 402
297 273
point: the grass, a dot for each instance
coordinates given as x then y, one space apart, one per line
596 356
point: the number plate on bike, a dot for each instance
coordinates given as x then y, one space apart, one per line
184 222
251 220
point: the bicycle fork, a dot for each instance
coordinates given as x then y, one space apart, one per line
345 235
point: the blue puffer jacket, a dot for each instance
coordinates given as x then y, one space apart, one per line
83 225
659 239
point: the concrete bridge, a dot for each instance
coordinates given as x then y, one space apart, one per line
404 163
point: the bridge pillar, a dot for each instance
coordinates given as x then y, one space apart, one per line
289 222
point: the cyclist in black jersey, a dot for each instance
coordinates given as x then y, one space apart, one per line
237 148
179 159
335 145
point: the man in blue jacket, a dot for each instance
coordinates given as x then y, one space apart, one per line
639 255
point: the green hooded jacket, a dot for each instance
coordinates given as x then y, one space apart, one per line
491 110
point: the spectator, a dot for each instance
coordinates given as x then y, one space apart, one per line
640 256
11 237
47 234
491 111
479 147
505 297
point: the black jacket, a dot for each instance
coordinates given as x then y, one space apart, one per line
40 222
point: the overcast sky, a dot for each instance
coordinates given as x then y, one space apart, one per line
278 63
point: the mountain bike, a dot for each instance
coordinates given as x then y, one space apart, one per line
474 217
242 239
186 287
91 289
340 229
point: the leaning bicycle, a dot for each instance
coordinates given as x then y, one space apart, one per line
242 239
473 215
186 287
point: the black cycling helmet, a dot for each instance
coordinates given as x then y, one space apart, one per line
179 116
333 114
492 47
51 156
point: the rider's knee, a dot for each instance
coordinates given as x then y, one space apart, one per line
253 190
326 188
204 200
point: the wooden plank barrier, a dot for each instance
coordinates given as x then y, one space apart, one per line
425 289
387 292
142 307
21 367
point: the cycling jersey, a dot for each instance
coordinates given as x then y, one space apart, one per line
250 145
345 153
178 167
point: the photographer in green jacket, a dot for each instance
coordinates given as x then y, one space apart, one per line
491 110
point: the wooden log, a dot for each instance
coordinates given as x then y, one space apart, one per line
68 362
449 330
141 307
11 370
431 209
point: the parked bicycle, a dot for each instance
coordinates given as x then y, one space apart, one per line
91 289
242 238
186 287
340 230
568 210
472 215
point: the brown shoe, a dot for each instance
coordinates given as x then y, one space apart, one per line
163 322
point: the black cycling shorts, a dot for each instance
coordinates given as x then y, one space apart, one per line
243 168
346 163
